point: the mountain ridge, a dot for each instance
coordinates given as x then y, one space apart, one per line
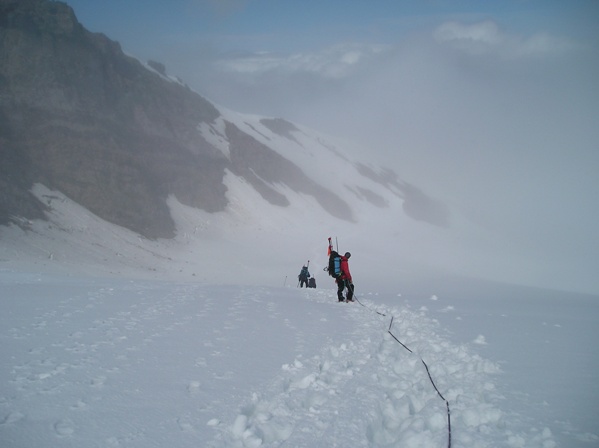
119 137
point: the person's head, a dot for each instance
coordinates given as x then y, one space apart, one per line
347 255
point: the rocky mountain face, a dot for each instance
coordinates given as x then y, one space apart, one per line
79 116
119 137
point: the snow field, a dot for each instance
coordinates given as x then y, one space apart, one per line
122 363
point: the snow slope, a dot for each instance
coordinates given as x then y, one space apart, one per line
91 362
109 339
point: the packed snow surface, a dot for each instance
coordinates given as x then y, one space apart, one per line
98 362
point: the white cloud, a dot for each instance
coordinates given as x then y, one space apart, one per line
332 63
488 38
251 64
485 33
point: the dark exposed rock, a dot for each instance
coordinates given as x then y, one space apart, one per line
372 197
258 163
80 116
417 204
281 127
422 207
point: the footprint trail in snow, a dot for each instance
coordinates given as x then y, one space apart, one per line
123 363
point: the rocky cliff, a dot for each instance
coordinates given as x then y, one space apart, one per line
118 136
79 116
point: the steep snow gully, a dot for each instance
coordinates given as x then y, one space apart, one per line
132 363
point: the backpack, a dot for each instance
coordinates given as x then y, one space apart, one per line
304 273
334 264
312 283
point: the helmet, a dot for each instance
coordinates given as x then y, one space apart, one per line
347 255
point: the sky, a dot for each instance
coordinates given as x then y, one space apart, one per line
491 107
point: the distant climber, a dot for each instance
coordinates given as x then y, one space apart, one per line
303 277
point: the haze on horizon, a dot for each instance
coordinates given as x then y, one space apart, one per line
490 107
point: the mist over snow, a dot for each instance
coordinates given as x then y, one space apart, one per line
493 113
395 230
112 339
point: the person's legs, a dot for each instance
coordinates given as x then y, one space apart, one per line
350 292
340 287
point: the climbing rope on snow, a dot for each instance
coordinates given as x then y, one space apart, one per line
425 366
367 307
371 309
432 382
393 336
